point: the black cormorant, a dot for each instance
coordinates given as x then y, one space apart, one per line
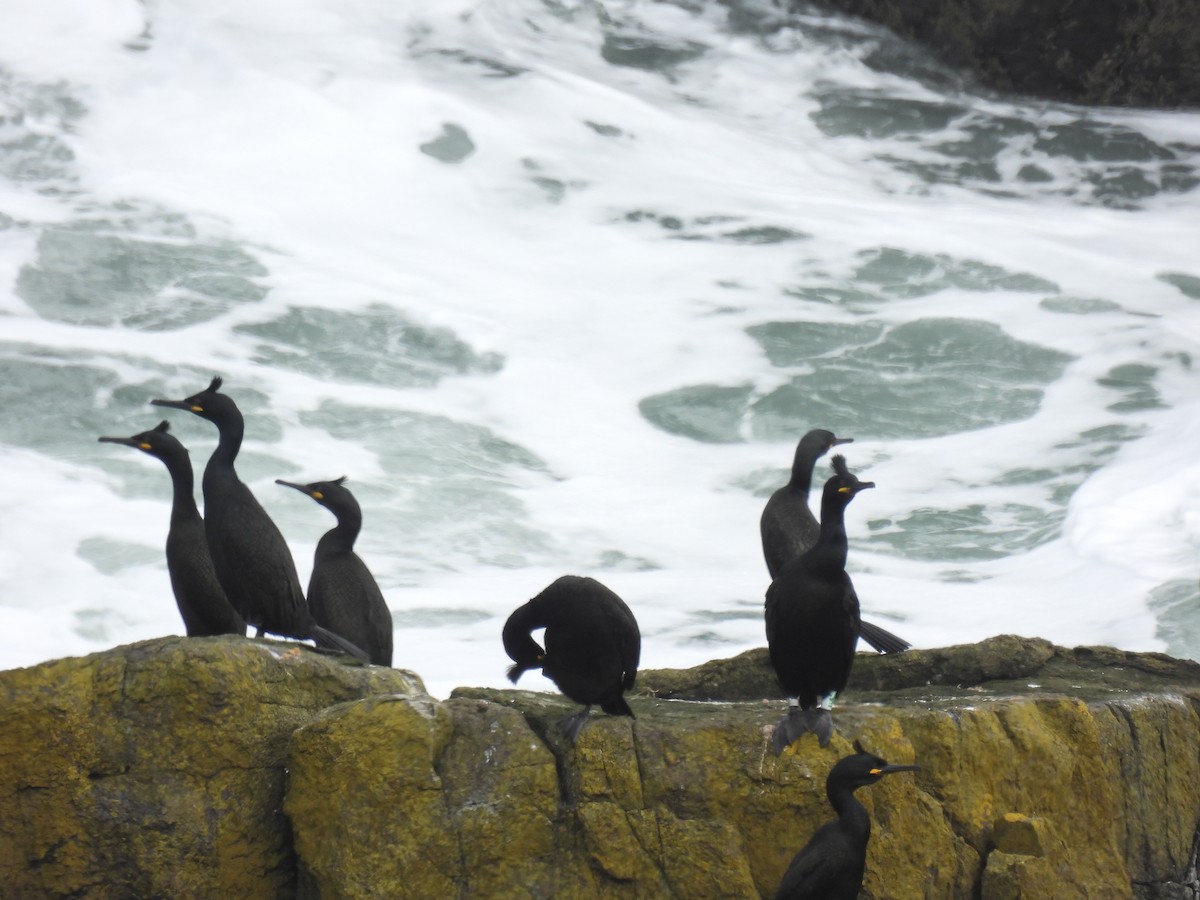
831 865
342 594
813 619
788 527
249 554
202 603
592 645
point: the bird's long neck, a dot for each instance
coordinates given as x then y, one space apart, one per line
853 815
802 470
518 642
832 544
341 538
231 430
220 470
183 484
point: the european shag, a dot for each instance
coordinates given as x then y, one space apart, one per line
592 645
202 603
831 865
249 554
813 621
342 594
789 528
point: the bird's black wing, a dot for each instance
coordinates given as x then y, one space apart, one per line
629 645
810 875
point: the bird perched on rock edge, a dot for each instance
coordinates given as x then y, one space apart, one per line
342 593
202 602
249 553
812 618
593 645
788 527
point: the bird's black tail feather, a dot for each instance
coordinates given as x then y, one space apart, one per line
327 639
882 639
801 721
618 707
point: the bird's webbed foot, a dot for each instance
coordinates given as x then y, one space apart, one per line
799 722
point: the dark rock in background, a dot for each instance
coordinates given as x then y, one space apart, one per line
1117 53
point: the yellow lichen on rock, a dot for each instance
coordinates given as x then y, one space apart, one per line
230 767
157 769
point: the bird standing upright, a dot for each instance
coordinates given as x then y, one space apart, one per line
788 527
249 554
342 593
832 864
812 617
593 645
198 594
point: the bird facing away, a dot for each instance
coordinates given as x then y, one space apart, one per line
249 554
812 618
788 527
202 603
343 596
831 865
592 645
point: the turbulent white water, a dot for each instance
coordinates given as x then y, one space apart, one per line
558 285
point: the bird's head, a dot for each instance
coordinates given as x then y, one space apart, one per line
844 483
207 404
157 442
864 768
333 495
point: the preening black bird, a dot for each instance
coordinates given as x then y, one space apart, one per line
831 865
788 527
812 618
343 595
593 645
202 603
249 554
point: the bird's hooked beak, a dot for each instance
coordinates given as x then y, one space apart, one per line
175 404
853 489
125 442
300 487
890 769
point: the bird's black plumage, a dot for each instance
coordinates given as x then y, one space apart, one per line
343 595
831 865
202 603
788 527
249 553
593 645
812 618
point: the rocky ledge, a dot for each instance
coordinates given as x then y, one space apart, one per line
232 767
